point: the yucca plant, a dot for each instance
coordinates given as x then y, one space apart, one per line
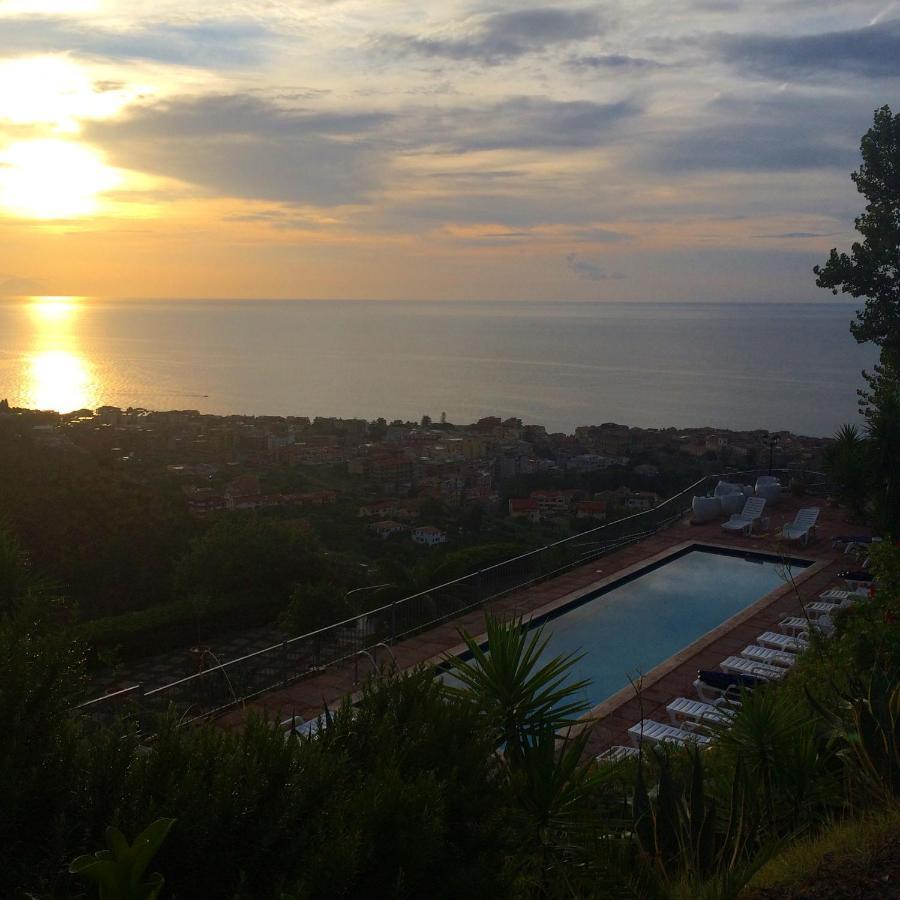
570 824
118 871
521 697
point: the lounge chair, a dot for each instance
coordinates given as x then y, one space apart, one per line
803 528
755 653
795 625
617 754
660 733
712 687
744 521
737 665
839 598
782 642
814 610
716 713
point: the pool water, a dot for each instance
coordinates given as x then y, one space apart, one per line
631 627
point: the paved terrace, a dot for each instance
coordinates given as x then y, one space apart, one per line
673 678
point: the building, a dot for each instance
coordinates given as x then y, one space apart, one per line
524 508
386 528
428 534
555 503
590 509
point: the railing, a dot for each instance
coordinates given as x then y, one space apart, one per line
224 686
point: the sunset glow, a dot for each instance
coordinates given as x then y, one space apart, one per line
52 179
648 151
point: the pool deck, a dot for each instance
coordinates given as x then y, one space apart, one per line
673 678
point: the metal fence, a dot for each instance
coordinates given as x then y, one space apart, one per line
219 688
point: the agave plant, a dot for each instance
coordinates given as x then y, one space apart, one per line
521 697
690 847
865 725
118 871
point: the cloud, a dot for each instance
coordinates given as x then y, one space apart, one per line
616 62
871 52
500 37
245 146
790 235
781 132
527 123
208 44
583 268
15 286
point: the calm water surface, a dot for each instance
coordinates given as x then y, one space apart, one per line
636 626
792 366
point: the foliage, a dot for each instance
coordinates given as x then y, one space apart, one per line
314 606
680 831
854 840
40 679
252 558
846 460
118 871
866 727
872 268
519 697
89 529
781 746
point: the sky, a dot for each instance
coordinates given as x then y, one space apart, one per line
618 150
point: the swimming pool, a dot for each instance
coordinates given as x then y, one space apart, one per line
635 623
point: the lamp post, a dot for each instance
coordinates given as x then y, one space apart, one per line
772 443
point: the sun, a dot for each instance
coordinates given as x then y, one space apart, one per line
52 179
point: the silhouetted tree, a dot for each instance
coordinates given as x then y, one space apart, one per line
872 270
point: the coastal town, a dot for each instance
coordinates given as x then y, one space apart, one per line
414 481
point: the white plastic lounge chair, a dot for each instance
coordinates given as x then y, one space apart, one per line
782 642
794 625
744 521
814 610
839 597
755 653
740 666
717 713
617 754
659 733
803 528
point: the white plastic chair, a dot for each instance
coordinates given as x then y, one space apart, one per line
770 657
803 528
744 521
659 733
778 641
716 713
737 665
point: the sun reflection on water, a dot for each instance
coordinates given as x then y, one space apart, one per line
59 375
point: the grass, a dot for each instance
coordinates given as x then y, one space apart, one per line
856 842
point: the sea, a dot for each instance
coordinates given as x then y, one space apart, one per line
790 366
